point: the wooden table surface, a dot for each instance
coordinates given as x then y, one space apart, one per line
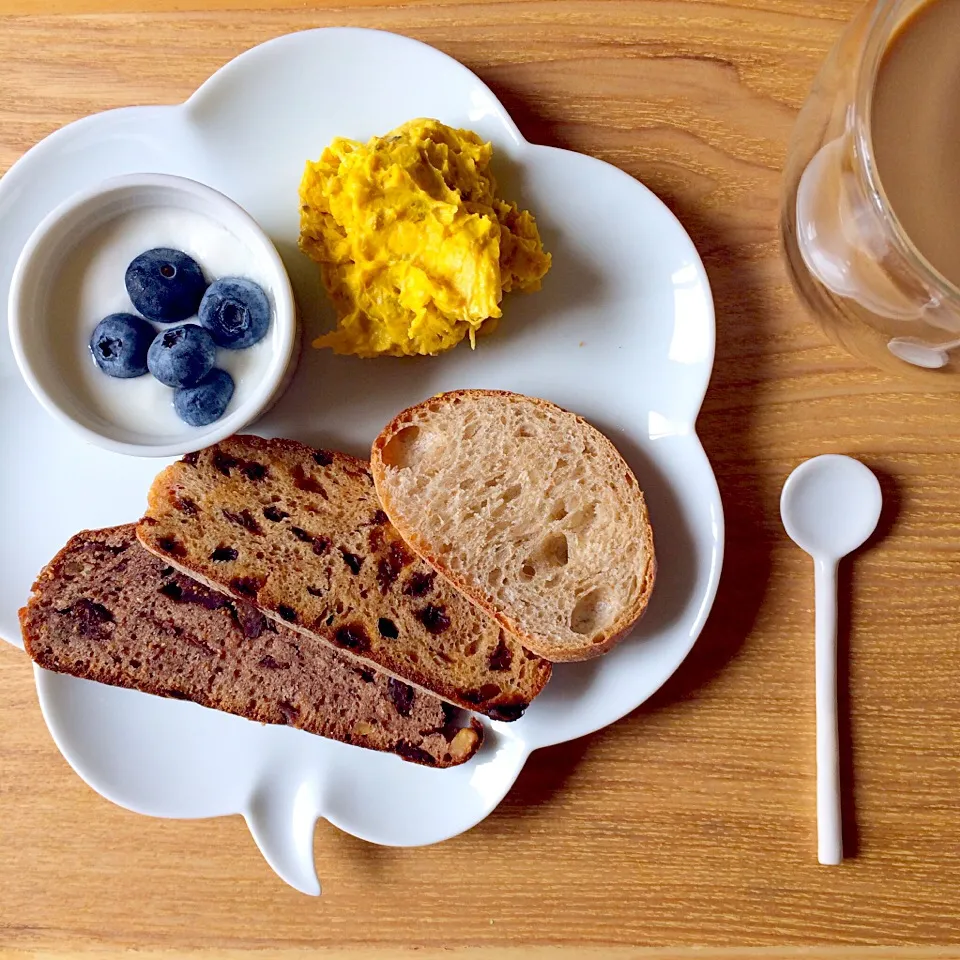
691 822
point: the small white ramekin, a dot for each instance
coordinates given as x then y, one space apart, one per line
67 226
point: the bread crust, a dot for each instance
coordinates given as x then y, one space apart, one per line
595 645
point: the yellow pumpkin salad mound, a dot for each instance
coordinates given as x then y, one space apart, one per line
415 248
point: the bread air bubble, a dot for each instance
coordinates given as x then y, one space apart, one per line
591 612
404 448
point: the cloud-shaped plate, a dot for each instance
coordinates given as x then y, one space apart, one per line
622 333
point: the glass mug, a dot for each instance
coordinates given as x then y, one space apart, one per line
849 258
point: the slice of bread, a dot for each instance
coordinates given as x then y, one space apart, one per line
105 609
527 509
300 533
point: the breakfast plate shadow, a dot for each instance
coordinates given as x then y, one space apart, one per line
622 333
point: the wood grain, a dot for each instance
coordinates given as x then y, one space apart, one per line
690 823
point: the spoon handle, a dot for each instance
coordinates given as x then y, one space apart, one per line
829 839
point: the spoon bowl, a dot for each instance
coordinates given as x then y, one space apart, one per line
830 505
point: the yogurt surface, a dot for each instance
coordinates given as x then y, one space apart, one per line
88 285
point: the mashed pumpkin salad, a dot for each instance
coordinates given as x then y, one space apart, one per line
415 248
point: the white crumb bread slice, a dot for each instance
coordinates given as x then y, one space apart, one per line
528 510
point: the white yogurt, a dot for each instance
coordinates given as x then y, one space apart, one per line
89 285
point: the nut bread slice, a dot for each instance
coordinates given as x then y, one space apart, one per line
526 508
300 533
105 609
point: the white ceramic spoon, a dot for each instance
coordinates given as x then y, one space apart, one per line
829 506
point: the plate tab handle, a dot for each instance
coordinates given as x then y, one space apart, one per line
282 816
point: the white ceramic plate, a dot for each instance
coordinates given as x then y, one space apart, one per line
622 333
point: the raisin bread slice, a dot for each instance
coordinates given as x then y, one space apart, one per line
300 533
105 609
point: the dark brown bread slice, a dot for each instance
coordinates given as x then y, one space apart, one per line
105 609
300 533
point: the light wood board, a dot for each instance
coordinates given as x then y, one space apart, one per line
690 823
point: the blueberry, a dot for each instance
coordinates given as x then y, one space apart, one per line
181 356
119 345
165 285
236 312
205 401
